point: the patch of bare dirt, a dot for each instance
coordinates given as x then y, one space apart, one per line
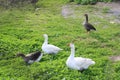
67 11
115 58
114 10
114 7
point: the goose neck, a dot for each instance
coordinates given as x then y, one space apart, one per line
86 17
46 40
22 55
72 52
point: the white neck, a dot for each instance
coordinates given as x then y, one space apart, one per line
72 51
45 41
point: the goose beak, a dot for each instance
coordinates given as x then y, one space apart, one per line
68 44
85 14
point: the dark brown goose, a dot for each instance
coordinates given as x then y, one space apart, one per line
87 25
32 57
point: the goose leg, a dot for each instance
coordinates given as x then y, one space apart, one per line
81 70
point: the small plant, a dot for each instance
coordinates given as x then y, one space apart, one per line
105 0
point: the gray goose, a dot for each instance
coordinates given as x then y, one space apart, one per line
87 25
32 57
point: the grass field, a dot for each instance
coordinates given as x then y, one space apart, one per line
21 30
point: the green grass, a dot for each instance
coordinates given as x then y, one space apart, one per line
21 30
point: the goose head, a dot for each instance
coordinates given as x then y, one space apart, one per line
45 36
71 45
20 54
85 14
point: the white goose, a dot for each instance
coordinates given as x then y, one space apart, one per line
49 48
78 63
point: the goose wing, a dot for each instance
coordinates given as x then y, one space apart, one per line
84 62
51 48
89 26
